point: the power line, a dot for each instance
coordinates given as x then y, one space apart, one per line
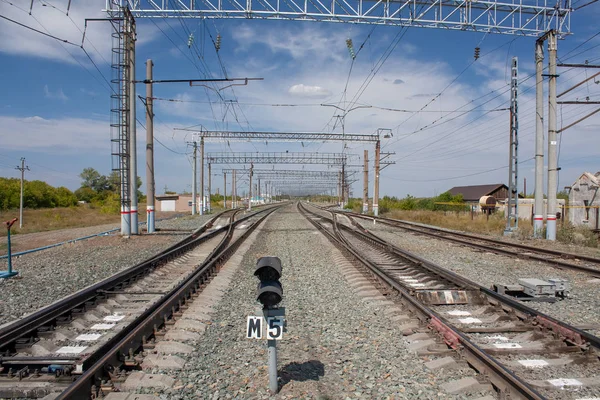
455 177
38 31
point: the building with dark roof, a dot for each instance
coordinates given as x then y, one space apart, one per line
474 193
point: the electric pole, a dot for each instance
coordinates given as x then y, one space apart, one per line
512 216
233 191
194 178
225 191
209 189
149 150
538 217
366 183
250 189
376 188
22 168
552 139
132 131
202 175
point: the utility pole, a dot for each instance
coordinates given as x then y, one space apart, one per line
225 190
366 183
22 168
538 217
258 190
250 188
376 188
233 191
552 139
202 175
512 220
132 131
149 150
209 189
194 179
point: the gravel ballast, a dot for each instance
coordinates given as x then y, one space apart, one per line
337 345
49 275
485 268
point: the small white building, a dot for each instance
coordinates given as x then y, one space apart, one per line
584 201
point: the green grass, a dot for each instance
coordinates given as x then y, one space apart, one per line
49 219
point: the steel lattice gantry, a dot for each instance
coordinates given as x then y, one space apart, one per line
516 17
285 136
283 174
277 158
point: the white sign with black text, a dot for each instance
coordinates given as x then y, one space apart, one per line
273 328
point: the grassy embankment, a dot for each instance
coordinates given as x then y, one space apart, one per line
493 226
49 219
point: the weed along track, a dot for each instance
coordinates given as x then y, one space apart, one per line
519 352
87 345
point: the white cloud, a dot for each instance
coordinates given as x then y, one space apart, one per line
58 94
302 90
17 40
302 42
60 136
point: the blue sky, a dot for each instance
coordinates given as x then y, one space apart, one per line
55 104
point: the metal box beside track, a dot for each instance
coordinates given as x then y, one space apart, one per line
537 287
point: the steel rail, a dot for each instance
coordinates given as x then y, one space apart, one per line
498 374
578 336
447 235
10 332
111 354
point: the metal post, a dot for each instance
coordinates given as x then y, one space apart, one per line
512 216
343 184
209 189
22 168
365 208
202 175
233 191
552 140
224 190
150 192
194 180
339 188
273 385
132 132
376 188
250 188
258 191
538 217
125 123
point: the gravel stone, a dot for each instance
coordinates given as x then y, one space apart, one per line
337 345
582 306
49 275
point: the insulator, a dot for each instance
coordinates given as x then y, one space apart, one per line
190 40
477 50
350 48
218 42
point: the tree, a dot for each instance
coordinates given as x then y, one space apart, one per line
90 178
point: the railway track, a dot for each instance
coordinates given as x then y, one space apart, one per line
86 344
558 259
521 352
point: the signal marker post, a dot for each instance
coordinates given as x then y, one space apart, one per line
269 294
9 273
